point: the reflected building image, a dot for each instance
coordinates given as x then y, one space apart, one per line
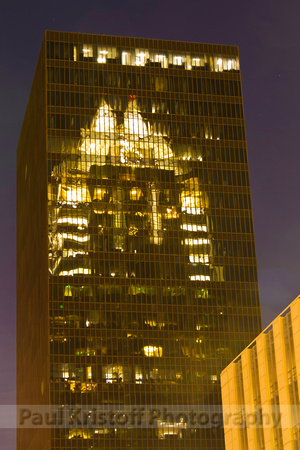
137 280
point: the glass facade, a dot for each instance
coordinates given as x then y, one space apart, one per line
151 256
260 388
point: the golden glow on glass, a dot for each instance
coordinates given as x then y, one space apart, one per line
143 57
199 241
80 221
192 227
87 51
150 246
113 373
199 277
150 350
199 258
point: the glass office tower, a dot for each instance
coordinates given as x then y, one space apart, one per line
137 280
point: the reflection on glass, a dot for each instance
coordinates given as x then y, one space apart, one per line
152 350
126 150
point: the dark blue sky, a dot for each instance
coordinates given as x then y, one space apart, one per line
268 36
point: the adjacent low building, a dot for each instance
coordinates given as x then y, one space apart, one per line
260 388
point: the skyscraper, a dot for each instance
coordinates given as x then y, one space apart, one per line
137 280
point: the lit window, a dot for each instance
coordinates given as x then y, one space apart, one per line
126 58
80 221
196 62
141 57
192 205
134 124
75 193
135 194
75 53
67 253
102 55
199 278
218 64
178 60
89 372
173 429
151 323
138 375
104 122
65 375
86 433
75 237
99 194
193 200
87 51
199 258
102 431
192 227
199 241
230 64
162 59
78 271
150 350
112 374
171 213
68 291
208 132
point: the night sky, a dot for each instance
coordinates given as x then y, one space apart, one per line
268 35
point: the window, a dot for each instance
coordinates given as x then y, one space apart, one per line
87 51
152 350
